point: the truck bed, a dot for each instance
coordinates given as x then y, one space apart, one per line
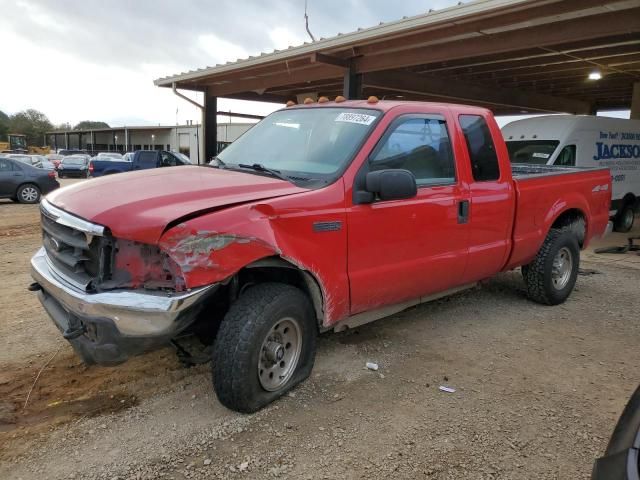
541 194
523 171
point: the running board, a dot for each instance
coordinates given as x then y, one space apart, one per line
373 315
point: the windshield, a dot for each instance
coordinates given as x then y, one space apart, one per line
109 155
182 157
74 161
536 152
314 142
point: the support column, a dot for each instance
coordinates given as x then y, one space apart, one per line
126 139
93 141
55 142
210 127
635 102
352 84
66 140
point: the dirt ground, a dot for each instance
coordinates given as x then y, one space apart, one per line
538 390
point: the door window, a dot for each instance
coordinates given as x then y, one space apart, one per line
5 166
168 160
420 145
147 159
482 151
567 157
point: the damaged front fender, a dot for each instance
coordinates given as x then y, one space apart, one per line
206 256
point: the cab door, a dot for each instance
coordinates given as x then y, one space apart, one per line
492 197
10 177
402 250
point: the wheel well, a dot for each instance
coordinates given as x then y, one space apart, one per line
271 269
630 199
573 220
276 269
25 184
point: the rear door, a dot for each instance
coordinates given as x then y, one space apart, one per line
491 194
145 160
10 177
402 250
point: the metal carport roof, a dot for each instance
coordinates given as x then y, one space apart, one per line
509 55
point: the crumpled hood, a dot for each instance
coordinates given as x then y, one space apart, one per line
139 205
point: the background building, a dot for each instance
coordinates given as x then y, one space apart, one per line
186 139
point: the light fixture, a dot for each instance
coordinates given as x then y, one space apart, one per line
595 75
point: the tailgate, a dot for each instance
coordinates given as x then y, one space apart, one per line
545 193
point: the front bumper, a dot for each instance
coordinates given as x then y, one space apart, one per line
109 327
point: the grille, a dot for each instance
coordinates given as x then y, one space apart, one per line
79 257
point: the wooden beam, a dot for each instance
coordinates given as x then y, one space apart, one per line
329 60
618 44
594 27
319 72
524 15
564 64
447 88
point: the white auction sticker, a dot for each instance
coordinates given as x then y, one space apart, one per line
359 118
540 155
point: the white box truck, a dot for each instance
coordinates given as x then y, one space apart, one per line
584 141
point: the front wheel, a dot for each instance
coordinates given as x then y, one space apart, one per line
265 346
551 276
624 219
28 193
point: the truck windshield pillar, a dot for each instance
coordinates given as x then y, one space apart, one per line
210 126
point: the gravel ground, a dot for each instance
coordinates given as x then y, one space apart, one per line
538 391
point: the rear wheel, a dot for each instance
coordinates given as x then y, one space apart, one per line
265 346
624 219
28 193
551 276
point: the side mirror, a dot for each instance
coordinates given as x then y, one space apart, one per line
391 184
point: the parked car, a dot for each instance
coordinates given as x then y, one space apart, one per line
55 158
24 158
585 141
65 152
24 183
320 217
42 162
141 160
74 166
108 155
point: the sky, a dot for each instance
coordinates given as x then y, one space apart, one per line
96 60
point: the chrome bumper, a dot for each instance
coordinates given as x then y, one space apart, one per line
133 313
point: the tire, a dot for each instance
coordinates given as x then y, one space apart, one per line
623 222
242 379
551 276
28 193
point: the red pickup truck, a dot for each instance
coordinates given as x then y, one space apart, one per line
322 216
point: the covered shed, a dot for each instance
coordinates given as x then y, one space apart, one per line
512 56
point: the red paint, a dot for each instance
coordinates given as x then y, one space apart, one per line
385 252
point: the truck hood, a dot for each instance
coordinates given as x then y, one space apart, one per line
139 205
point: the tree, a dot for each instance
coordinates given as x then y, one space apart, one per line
90 125
32 123
4 124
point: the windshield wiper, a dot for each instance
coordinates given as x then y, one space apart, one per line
258 167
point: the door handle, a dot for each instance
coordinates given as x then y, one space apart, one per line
463 211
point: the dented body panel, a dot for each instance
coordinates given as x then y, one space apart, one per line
183 229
